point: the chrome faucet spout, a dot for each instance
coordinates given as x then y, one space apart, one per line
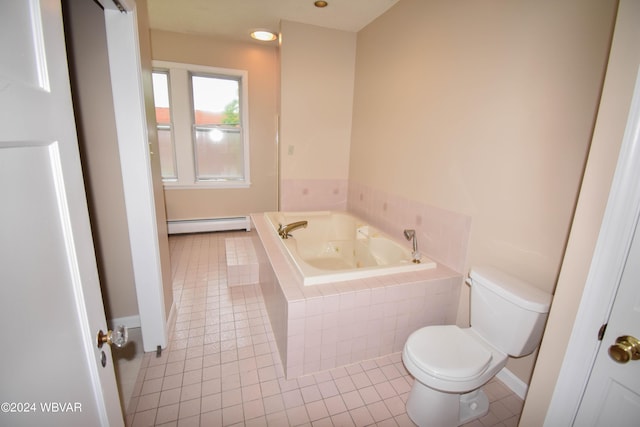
285 230
411 235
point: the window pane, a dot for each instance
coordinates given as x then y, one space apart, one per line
216 100
163 119
219 146
219 153
167 157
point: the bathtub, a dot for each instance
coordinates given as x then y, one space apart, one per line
345 321
336 246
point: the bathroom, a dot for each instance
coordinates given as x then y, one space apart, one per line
475 94
430 107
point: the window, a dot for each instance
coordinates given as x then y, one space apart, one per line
203 111
217 131
163 120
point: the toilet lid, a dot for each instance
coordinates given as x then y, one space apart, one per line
447 352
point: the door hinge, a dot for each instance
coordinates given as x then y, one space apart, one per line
601 331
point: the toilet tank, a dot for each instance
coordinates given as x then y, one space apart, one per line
506 311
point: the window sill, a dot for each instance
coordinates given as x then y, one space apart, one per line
219 185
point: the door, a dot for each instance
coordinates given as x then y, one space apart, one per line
50 302
612 251
148 237
612 396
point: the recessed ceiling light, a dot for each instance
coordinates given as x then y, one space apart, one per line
321 4
263 35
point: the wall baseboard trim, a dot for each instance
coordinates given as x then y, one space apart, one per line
516 385
206 225
128 321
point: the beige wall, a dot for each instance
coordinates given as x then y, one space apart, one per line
317 72
612 117
261 64
158 193
487 109
317 68
91 83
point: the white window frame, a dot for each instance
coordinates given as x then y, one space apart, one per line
172 136
181 118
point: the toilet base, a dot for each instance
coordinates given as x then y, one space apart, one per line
473 405
432 408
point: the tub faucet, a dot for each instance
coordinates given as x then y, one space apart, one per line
411 235
285 230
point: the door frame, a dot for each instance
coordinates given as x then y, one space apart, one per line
611 251
133 145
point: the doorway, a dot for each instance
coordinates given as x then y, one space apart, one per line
122 230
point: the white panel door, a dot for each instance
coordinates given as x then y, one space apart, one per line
612 396
50 302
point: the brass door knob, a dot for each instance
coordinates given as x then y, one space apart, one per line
626 348
117 337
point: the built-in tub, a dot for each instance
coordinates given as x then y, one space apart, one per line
337 323
336 246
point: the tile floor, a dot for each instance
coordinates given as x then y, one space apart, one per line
127 361
222 368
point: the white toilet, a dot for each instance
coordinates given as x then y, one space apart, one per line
450 364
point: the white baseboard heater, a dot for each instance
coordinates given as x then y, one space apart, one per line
206 225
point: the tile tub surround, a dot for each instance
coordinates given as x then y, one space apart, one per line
325 326
313 194
442 234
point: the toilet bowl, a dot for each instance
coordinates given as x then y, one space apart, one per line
451 359
450 363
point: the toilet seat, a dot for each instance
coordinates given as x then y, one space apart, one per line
448 353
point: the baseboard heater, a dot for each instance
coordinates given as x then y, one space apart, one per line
206 225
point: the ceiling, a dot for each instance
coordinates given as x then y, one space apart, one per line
234 19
